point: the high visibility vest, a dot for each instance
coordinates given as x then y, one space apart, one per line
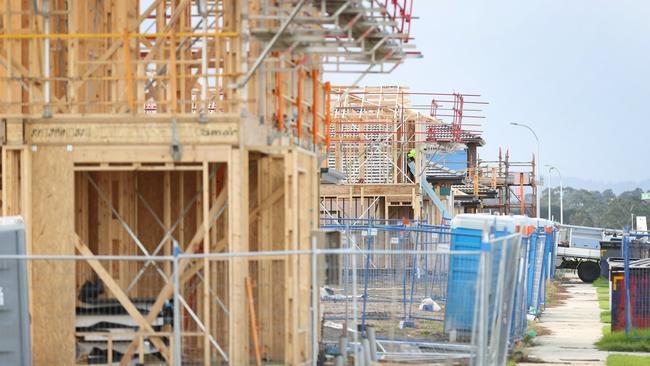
412 154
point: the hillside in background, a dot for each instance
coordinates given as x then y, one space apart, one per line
616 186
596 208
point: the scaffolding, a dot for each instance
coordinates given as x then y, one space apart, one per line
514 181
129 126
353 36
375 133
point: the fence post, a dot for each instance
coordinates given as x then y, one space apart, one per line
483 299
355 316
177 310
314 301
366 273
626 272
497 312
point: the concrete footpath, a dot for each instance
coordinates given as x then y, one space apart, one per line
574 328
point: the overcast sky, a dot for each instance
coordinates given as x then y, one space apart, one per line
577 71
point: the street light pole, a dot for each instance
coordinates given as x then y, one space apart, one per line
549 194
551 167
539 175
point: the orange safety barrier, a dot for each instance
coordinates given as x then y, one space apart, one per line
328 101
278 90
314 107
299 103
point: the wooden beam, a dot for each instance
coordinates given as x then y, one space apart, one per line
238 329
167 217
87 154
251 311
119 294
206 264
122 132
369 190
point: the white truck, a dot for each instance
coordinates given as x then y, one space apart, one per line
578 247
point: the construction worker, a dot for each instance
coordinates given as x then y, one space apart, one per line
411 158
411 155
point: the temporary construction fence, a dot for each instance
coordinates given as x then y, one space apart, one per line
541 265
432 298
397 287
630 286
391 292
159 319
532 264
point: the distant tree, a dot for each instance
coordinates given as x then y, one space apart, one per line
581 218
593 208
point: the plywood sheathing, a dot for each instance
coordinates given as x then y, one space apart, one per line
53 282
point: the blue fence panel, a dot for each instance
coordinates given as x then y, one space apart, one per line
463 272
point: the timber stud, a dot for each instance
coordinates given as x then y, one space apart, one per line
176 150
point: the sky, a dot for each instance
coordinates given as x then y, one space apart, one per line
576 71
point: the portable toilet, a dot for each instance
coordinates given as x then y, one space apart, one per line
467 232
15 344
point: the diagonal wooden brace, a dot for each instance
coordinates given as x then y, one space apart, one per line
119 294
167 291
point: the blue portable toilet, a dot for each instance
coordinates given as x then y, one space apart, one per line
466 235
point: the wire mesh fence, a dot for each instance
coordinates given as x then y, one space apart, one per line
630 286
390 292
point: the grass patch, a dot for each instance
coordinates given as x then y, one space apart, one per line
638 341
602 291
603 304
606 317
626 360
607 329
601 282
